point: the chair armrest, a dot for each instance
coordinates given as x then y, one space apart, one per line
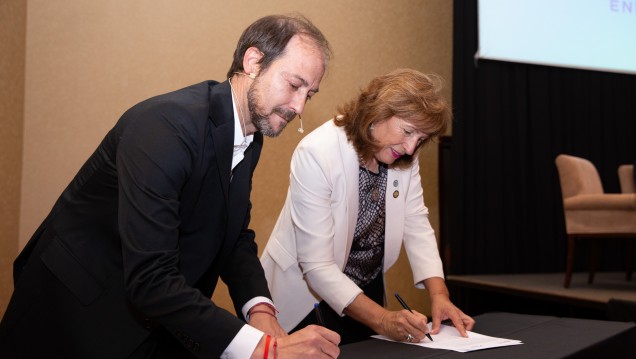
617 201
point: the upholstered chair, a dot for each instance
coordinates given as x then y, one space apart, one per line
592 214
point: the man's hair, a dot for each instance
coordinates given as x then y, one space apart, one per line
404 93
271 34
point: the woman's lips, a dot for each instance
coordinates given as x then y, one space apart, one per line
395 154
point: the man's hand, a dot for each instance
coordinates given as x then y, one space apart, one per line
310 342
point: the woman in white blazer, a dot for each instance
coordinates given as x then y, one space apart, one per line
355 196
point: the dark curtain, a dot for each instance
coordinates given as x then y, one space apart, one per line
510 122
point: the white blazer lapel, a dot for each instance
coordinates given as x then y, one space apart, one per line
350 165
396 185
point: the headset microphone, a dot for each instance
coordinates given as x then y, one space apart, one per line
300 129
251 75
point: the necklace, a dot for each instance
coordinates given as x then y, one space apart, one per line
375 192
241 118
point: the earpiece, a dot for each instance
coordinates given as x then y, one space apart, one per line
300 129
251 75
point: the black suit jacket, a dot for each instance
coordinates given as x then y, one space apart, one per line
137 241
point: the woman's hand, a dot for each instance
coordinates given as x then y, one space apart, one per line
404 326
443 309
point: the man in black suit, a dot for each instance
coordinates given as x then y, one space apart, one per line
125 264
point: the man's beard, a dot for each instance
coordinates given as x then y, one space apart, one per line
261 121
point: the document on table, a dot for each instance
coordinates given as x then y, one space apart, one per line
449 338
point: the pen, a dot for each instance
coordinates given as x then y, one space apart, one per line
318 315
409 309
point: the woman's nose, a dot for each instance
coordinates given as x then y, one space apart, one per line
411 145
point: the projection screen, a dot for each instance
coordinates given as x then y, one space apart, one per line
587 34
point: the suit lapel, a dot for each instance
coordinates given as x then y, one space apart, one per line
222 116
397 180
239 196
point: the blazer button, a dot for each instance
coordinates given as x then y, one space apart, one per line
147 323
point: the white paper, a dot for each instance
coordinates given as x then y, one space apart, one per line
448 338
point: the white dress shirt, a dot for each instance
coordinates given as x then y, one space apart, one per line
244 343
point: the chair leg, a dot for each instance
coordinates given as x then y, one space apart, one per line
593 260
630 259
569 262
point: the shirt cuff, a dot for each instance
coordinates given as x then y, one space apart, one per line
252 302
243 344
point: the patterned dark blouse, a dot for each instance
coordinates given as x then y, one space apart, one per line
367 251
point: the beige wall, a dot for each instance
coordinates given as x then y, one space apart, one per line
12 41
87 62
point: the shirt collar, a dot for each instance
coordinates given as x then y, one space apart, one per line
240 142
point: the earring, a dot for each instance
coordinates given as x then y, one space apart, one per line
371 127
252 75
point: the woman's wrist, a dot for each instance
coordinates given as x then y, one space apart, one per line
440 294
382 328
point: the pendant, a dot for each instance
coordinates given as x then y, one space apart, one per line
375 194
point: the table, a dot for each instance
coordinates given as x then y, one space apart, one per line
543 337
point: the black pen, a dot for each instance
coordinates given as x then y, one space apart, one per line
409 309
318 315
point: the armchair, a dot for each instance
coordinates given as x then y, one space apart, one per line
592 214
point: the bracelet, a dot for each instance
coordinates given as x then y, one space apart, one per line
267 305
261 311
275 348
266 352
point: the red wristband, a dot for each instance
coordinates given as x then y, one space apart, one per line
275 348
266 352
261 311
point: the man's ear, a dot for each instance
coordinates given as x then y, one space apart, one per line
251 60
